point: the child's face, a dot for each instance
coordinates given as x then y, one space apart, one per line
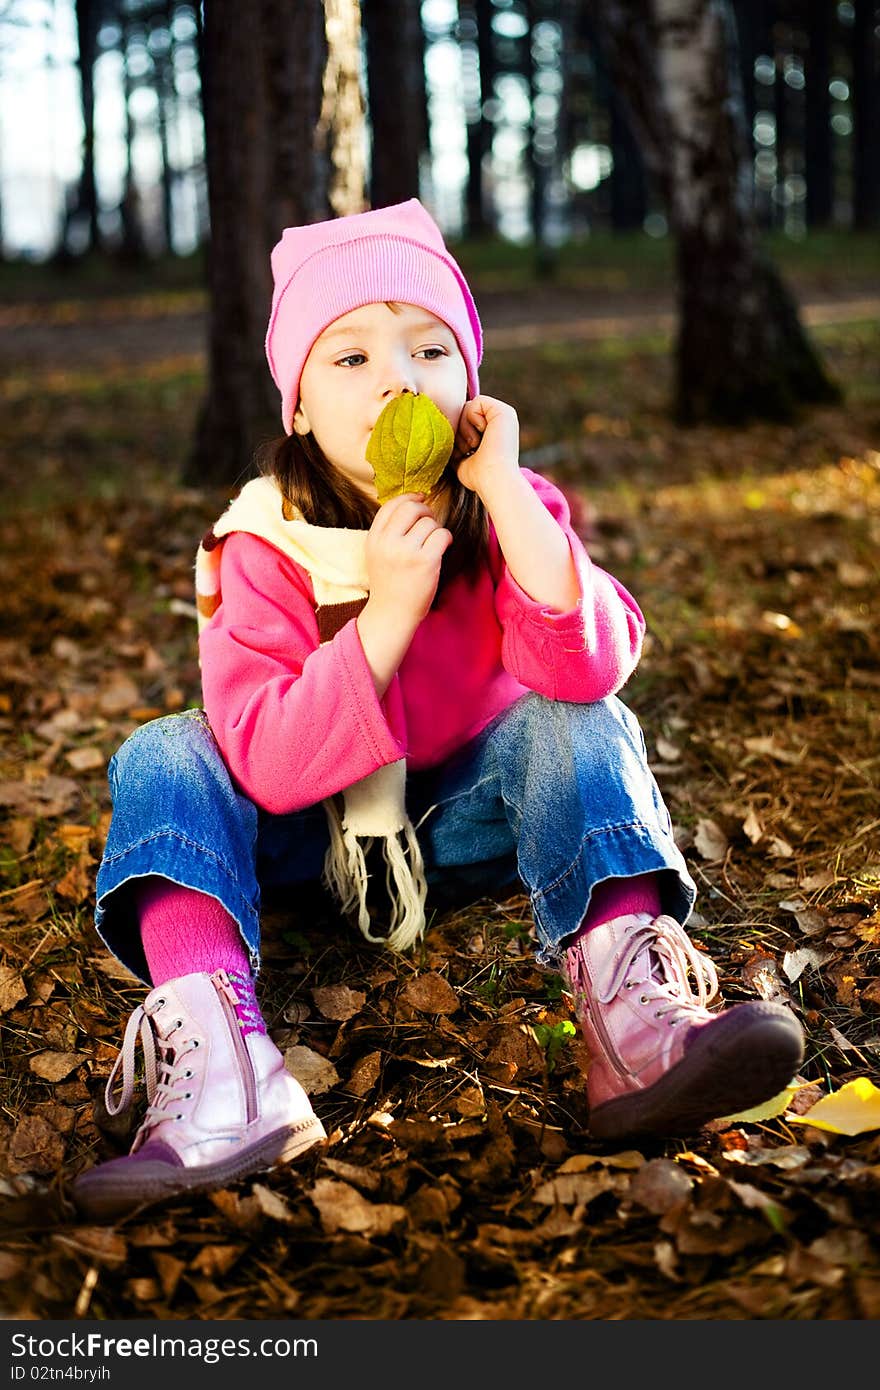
363 360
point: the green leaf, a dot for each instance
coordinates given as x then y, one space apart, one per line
409 447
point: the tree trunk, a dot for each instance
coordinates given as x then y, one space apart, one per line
395 50
866 104
817 129
629 194
132 249
263 75
741 350
340 131
87 22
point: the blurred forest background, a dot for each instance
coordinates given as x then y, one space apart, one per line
502 114
669 213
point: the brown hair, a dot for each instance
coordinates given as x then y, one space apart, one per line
326 497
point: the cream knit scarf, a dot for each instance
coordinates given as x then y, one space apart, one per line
335 559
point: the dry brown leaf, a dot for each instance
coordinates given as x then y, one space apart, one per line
216 1260
810 921
48 796
578 1189
338 1002
431 994
313 1072
342 1208
169 1270
12 989
35 1147
761 975
143 1290
364 1179
272 1204
118 696
11 1264
768 746
660 1184
85 759
74 886
364 1074
54 1066
20 832
710 841
752 827
110 966
100 1243
794 963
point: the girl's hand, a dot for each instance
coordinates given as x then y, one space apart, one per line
405 547
486 444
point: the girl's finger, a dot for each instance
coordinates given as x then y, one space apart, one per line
421 529
399 512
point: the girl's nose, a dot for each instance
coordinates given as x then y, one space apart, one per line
399 377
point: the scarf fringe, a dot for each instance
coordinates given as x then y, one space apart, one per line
346 875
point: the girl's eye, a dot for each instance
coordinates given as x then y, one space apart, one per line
352 359
431 353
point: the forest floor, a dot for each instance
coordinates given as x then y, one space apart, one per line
461 1180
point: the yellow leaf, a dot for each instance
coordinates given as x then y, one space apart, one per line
410 446
776 1105
854 1109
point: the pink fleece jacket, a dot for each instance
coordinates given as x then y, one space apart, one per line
298 721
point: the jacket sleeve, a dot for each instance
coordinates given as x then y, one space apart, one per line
582 655
296 721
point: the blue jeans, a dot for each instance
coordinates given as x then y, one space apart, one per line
556 795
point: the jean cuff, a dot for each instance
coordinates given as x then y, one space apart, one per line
617 851
183 861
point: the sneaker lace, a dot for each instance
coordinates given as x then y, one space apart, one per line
678 975
162 1071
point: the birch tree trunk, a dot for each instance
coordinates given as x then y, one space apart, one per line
282 131
741 350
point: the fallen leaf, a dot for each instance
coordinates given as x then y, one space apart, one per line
577 1189
659 1185
12 988
430 994
752 827
101 1244
338 1002
35 1147
710 840
760 974
216 1260
854 1109
768 746
342 1208
85 759
272 1204
54 1066
364 1074
794 963
47 796
313 1072
364 1179
809 921
767 1110
118 697
169 1269
11 1264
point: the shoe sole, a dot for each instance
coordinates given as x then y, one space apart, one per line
149 1182
743 1059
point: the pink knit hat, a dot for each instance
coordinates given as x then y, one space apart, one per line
325 269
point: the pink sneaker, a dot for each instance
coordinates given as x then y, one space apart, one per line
662 1063
220 1104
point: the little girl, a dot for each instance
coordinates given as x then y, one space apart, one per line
436 681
